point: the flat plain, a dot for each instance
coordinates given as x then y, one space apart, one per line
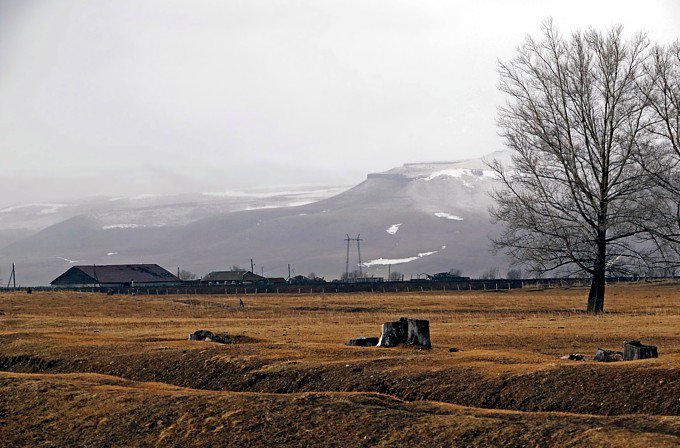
84 369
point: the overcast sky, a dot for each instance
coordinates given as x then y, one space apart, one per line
131 97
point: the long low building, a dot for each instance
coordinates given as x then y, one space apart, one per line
231 278
115 276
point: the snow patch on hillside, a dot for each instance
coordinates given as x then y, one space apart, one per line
425 254
386 261
45 208
312 195
123 226
460 172
394 228
448 216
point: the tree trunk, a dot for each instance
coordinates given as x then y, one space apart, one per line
597 286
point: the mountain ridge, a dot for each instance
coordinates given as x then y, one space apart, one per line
440 211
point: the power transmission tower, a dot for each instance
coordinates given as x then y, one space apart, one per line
12 277
358 239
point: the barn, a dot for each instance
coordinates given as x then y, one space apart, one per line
115 276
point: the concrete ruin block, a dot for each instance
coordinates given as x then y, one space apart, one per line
603 355
363 341
393 334
418 332
209 336
406 331
636 350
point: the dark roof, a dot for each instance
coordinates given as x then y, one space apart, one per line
232 276
276 280
116 273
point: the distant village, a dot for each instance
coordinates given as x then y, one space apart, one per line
153 275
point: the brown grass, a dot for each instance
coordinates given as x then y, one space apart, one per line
73 359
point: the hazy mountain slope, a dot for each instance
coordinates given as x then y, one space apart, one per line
156 210
436 214
311 237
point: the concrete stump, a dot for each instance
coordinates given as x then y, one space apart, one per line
418 332
393 334
406 331
635 350
363 342
603 355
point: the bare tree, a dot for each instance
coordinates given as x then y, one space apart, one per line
186 275
660 155
573 199
395 276
514 274
490 274
353 275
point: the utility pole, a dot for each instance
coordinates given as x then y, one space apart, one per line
288 271
252 266
348 239
389 271
359 252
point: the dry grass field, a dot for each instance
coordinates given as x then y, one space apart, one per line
82 369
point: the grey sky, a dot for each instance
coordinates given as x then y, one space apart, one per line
125 97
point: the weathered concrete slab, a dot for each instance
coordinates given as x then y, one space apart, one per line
363 341
406 331
393 334
603 355
418 332
636 350
209 336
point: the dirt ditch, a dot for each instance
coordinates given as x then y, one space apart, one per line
93 410
583 388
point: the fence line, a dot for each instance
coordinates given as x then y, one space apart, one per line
323 288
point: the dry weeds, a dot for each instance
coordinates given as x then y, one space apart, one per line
73 359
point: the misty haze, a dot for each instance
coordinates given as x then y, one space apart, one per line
279 178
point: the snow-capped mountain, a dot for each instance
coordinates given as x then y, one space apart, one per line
418 218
